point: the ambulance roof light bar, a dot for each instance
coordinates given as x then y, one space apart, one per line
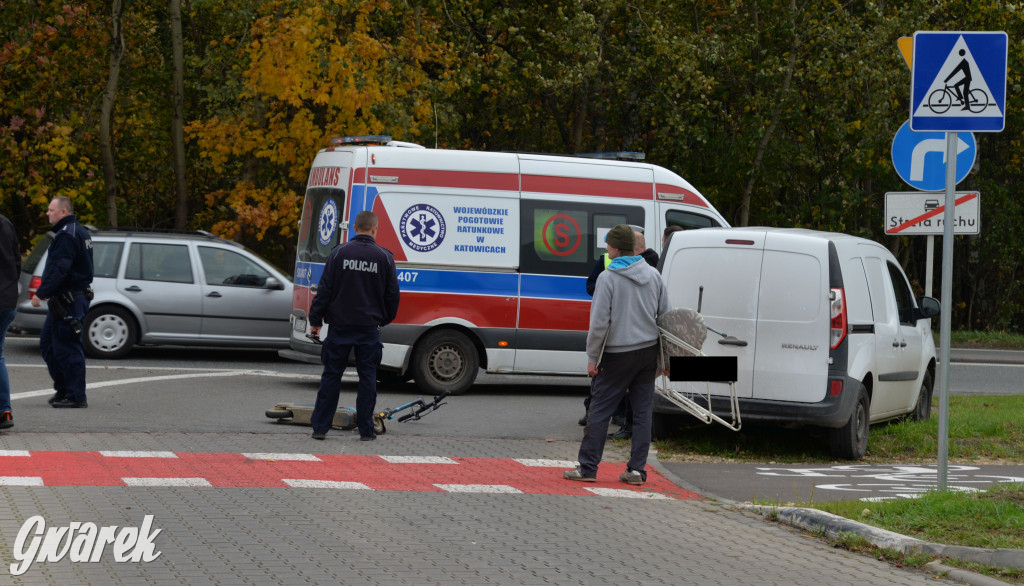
615 155
361 139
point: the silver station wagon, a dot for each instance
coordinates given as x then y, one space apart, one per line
160 288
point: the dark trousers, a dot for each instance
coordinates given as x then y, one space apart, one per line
63 353
619 372
334 355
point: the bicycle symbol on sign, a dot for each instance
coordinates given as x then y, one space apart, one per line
960 92
940 101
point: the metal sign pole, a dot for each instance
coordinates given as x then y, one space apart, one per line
947 307
929 257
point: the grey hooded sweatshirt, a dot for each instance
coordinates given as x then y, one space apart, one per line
626 306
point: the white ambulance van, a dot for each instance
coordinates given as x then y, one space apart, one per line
824 326
493 249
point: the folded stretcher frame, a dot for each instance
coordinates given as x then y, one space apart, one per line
683 333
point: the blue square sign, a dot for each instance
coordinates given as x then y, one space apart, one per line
958 81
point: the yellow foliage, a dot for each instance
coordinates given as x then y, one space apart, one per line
305 80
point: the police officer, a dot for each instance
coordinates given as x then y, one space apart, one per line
357 294
66 288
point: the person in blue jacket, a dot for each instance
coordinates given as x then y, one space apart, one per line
10 270
66 288
357 295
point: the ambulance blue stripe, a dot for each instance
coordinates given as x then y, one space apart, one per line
465 282
469 282
555 287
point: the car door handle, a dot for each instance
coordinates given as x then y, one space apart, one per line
903 344
313 289
213 294
134 289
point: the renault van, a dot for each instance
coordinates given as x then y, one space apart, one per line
824 326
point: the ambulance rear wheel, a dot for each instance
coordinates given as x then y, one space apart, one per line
445 360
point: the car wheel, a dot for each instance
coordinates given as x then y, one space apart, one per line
923 409
850 442
445 360
109 332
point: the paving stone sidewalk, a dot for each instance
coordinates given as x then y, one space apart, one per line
285 535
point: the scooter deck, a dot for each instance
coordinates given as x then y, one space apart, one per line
301 413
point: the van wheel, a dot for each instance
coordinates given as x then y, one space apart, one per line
850 442
445 360
923 409
109 332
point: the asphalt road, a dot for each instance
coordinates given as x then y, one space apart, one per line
175 390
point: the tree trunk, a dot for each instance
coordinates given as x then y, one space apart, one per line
177 119
110 188
762 145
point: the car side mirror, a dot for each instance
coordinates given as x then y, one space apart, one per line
927 308
273 283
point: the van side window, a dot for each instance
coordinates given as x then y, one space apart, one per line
904 298
688 220
159 262
566 238
106 258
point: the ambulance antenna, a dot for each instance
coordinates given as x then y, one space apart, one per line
435 126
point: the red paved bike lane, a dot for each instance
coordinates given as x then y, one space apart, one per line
382 473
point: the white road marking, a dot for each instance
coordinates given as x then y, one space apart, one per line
136 454
484 488
629 494
418 460
302 483
270 456
14 453
540 463
21 481
130 481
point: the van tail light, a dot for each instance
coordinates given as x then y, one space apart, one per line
33 286
839 321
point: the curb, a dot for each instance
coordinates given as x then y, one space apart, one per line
814 521
831 525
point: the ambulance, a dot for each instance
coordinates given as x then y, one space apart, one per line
493 249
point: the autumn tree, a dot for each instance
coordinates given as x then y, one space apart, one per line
304 72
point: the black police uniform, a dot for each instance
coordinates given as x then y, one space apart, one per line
357 294
68 271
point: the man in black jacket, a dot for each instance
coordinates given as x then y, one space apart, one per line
10 269
66 288
357 295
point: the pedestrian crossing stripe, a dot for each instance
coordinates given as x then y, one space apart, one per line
949 72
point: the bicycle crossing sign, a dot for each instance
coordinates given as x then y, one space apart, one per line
958 81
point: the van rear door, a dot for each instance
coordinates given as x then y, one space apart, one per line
719 271
793 319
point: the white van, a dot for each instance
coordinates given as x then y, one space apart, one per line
493 249
824 326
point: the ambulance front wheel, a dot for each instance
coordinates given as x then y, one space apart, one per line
445 360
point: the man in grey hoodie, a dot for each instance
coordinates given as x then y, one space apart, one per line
622 354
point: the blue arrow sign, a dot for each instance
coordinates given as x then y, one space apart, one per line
920 157
958 81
